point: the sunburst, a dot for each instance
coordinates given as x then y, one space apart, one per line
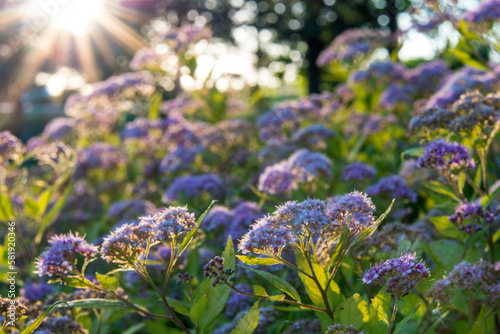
83 34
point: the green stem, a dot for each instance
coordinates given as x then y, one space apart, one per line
393 316
3 326
334 272
287 301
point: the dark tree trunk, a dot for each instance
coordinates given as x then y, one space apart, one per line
315 46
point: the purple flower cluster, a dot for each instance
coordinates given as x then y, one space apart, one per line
59 127
181 37
234 222
277 179
59 257
474 110
473 278
397 275
386 71
99 155
357 171
238 302
489 10
191 186
353 43
313 136
215 269
460 82
145 58
353 211
426 76
475 213
36 291
11 148
311 218
396 95
301 167
130 241
444 156
394 186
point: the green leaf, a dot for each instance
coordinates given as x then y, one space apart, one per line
278 283
179 306
486 200
154 109
369 231
249 322
333 293
353 311
210 301
34 325
31 207
108 282
99 303
254 260
77 282
466 59
441 189
446 228
480 325
189 236
44 200
53 213
413 152
277 298
379 316
259 290
6 210
405 320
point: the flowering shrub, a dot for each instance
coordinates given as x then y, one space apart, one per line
369 208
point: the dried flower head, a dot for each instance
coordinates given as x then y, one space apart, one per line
215 269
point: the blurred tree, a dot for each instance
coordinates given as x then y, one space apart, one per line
304 26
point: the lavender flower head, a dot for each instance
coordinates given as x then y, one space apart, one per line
307 165
130 241
396 95
266 237
218 217
489 10
59 127
36 291
59 257
306 217
194 185
145 58
444 156
357 171
353 211
11 148
475 213
277 179
313 136
398 275
99 155
342 329
394 186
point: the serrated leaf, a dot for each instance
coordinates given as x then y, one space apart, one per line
278 283
189 236
34 325
405 320
249 322
254 260
108 282
99 303
353 311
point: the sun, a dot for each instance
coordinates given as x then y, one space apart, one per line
78 16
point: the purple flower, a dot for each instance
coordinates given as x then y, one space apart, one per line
444 156
238 302
130 209
307 165
244 215
138 128
387 71
398 275
59 257
145 58
475 213
36 291
424 78
179 159
172 222
303 217
59 127
11 147
313 136
353 43
460 82
277 179
354 211
489 10
99 155
396 95
357 171
218 217
266 236
194 185
394 186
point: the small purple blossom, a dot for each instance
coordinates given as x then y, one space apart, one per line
99 156
444 156
394 186
266 236
398 275
36 291
476 215
307 165
59 127
357 171
194 185
59 257
353 211
488 10
277 179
